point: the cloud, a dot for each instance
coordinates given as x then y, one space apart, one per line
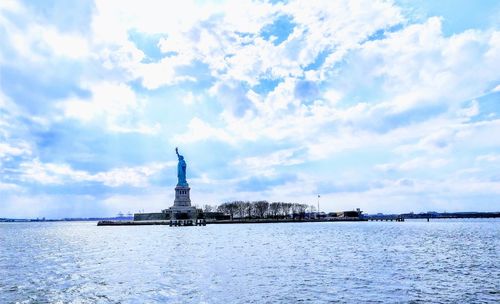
60 174
16 149
136 176
234 96
417 97
263 183
492 157
229 39
361 100
35 41
419 163
266 164
113 103
198 130
8 187
342 187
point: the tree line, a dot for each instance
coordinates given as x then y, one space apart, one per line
261 209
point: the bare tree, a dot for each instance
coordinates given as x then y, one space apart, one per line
286 208
274 209
303 208
299 210
208 208
248 209
261 208
229 208
222 208
240 208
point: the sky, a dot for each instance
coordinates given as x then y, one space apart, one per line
387 106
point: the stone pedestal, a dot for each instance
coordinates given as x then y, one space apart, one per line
182 209
182 196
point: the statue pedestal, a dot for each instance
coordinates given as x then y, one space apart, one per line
182 209
182 196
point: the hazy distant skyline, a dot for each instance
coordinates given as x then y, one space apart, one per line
389 106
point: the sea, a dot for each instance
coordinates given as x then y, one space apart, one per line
441 261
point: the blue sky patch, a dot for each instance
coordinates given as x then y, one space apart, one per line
318 61
279 30
266 85
148 44
382 33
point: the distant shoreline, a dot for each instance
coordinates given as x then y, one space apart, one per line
365 217
83 219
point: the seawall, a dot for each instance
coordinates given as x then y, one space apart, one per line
254 221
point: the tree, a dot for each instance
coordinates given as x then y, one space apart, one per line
248 209
222 208
261 208
299 210
229 208
274 209
240 208
208 208
286 208
302 208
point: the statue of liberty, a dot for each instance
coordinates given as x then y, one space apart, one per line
181 170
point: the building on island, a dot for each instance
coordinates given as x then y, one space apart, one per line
346 214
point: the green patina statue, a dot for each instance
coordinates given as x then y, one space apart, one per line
181 170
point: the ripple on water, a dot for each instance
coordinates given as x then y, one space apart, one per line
441 261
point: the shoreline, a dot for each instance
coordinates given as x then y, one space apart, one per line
255 221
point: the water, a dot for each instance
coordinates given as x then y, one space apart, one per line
442 261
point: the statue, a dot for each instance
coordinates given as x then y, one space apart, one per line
181 170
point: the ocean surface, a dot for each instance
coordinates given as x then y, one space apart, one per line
443 261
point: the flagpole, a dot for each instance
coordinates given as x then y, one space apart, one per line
318 204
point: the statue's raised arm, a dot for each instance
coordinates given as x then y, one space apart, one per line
177 151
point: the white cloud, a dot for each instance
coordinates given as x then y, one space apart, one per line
113 103
492 157
265 165
420 60
7 187
418 163
36 42
8 150
410 94
190 99
470 111
60 174
226 36
134 176
155 75
112 100
65 45
420 71
198 130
